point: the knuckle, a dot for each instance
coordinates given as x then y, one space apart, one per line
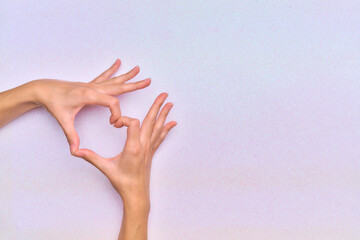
117 79
86 91
73 152
114 101
135 123
151 117
157 128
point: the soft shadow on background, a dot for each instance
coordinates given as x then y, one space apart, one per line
265 93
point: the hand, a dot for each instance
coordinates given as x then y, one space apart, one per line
129 172
65 99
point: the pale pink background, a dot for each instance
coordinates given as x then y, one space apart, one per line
266 95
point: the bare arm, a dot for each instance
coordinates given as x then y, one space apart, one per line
15 102
64 99
129 172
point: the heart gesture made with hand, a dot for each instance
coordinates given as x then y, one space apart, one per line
129 171
64 99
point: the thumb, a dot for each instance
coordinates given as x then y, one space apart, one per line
71 135
132 143
93 158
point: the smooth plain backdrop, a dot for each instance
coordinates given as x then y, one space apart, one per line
265 93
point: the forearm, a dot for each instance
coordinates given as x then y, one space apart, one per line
135 221
16 101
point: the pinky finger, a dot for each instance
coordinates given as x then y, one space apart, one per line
166 129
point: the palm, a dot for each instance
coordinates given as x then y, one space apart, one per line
65 99
129 171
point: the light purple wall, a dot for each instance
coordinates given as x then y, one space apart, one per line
267 100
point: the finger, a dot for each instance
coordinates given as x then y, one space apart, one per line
119 88
164 133
132 143
92 157
71 134
127 76
129 87
160 121
108 73
107 101
149 121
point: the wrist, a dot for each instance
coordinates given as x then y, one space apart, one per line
136 205
136 196
134 222
26 95
35 92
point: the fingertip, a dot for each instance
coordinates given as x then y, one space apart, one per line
73 149
163 95
113 119
117 63
170 125
118 123
147 81
167 107
144 83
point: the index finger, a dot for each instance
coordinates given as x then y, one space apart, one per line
147 126
108 73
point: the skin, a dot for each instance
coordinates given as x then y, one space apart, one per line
129 171
64 99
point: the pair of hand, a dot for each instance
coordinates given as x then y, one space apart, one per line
129 172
